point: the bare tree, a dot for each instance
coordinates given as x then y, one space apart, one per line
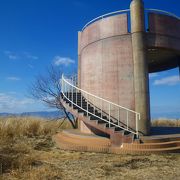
47 89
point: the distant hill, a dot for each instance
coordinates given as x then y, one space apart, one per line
166 115
43 114
55 114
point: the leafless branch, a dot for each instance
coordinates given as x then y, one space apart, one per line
48 90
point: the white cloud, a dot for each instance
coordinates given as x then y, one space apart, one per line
153 75
30 56
13 78
30 66
11 55
21 55
10 103
63 61
171 80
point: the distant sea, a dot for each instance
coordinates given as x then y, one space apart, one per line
42 114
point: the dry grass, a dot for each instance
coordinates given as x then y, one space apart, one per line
28 153
166 123
29 126
22 138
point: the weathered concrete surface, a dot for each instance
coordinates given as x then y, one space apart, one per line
107 64
163 41
141 80
103 71
105 28
164 25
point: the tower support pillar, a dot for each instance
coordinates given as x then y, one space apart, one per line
141 78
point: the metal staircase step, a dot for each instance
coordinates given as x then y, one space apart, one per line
127 133
80 110
97 117
118 129
101 122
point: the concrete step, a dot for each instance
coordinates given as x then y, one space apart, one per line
82 139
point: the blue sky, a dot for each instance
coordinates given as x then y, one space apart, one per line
37 33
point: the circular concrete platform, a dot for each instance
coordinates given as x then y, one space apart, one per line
77 141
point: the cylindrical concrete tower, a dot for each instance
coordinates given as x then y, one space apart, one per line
114 63
141 80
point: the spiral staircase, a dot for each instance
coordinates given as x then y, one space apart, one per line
109 133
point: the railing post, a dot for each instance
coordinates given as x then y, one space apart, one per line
87 104
65 89
137 117
72 96
94 106
76 96
118 116
101 108
109 115
81 98
127 119
61 85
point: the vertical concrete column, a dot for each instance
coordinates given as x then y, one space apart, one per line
141 79
79 59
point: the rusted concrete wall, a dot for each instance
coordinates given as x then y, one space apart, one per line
164 25
107 62
164 31
163 41
104 28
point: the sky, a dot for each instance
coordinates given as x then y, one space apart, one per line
37 33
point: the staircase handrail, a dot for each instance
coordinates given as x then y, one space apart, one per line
137 115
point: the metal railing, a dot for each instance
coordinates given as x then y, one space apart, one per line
126 11
162 12
70 92
104 16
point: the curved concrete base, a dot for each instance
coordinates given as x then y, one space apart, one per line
77 141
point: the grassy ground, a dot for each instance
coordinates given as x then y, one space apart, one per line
27 152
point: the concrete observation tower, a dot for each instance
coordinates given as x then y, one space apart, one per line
116 52
114 59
